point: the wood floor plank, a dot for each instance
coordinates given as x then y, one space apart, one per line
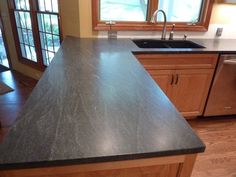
11 103
219 135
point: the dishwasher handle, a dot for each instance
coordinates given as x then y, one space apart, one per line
230 62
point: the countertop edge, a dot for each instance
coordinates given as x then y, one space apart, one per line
104 159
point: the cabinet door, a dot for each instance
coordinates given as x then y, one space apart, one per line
164 78
190 90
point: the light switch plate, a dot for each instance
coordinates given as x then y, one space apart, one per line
219 32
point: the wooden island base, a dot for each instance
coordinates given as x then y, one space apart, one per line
171 166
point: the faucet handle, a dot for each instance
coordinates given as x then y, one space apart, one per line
152 20
171 37
173 27
110 23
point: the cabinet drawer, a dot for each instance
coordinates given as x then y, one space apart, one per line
177 61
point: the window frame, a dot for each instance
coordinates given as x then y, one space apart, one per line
34 10
202 25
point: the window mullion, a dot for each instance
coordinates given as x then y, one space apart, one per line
152 8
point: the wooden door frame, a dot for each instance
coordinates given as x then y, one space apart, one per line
5 41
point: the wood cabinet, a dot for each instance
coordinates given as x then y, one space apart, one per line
185 78
169 166
190 91
164 78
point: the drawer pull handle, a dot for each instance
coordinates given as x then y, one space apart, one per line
177 79
172 79
230 62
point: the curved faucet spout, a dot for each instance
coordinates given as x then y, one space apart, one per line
153 20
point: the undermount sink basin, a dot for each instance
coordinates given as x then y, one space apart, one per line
151 43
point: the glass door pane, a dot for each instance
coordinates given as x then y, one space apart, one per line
48 5
24 30
120 10
3 55
48 29
181 10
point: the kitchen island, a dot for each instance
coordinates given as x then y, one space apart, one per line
97 112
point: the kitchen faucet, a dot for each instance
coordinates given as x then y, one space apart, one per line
153 20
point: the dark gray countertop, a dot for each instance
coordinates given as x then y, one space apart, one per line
96 103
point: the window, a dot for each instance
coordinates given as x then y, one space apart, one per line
181 10
36 30
191 15
116 10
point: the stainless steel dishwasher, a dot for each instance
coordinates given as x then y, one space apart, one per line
222 98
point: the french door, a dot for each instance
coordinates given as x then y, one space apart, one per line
36 27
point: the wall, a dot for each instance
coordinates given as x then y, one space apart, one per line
76 17
70 17
85 9
222 16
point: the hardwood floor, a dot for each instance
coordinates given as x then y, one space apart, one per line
11 103
219 134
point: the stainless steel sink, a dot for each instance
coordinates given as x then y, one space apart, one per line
151 43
